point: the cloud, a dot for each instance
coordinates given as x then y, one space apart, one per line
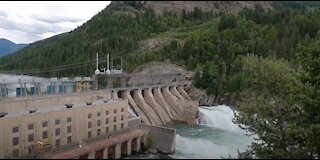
25 22
57 19
3 14
24 37
31 26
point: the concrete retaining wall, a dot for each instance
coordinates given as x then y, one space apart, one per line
163 139
134 122
190 110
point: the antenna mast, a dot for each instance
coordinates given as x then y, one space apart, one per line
97 71
97 60
121 63
108 68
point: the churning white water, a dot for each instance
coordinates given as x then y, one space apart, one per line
219 117
216 136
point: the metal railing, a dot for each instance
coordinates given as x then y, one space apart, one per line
55 86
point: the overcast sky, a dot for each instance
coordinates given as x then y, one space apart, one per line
26 22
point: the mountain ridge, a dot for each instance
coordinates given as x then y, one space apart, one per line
8 47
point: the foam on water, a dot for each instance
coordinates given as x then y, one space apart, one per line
216 136
219 117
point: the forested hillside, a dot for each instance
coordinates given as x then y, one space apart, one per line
207 42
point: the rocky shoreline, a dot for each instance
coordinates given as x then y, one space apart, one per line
209 100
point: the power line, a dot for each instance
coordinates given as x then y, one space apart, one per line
69 66
61 66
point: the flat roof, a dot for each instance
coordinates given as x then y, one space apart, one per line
57 108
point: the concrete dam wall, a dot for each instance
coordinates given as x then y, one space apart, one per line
162 105
155 105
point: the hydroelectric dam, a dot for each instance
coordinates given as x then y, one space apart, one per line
103 116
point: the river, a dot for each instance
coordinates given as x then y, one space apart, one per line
215 136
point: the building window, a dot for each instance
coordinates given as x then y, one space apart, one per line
69 139
98 123
57 131
45 134
89 124
15 129
114 119
107 112
30 137
57 142
30 126
89 134
98 132
57 121
98 114
69 129
121 125
107 120
115 111
89 115
44 124
122 109
15 153
121 117
15 141
114 127
69 119
107 129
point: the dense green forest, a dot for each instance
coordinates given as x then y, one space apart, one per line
268 60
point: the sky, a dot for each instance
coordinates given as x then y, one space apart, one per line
30 21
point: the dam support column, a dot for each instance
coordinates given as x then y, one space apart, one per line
152 115
108 94
129 147
105 153
172 101
91 155
117 151
183 92
115 95
131 102
149 98
138 144
160 99
174 91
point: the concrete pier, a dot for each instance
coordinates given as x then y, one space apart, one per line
154 117
149 98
